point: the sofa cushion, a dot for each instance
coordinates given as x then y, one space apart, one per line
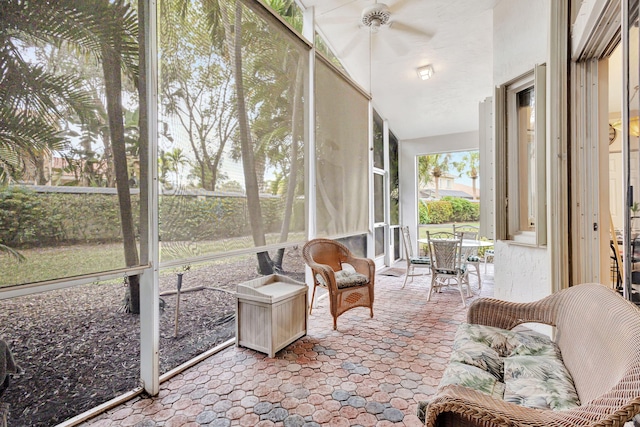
478 354
522 367
539 382
507 342
472 377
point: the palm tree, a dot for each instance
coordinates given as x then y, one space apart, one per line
433 166
281 94
28 108
240 40
470 164
164 167
177 159
33 100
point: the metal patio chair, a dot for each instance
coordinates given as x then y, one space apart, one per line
447 265
470 232
413 262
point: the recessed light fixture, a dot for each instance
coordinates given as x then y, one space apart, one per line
425 72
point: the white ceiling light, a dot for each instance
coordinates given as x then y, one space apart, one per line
425 72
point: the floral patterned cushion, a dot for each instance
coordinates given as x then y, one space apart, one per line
472 377
347 279
522 367
460 270
421 411
420 260
478 354
507 342
539 382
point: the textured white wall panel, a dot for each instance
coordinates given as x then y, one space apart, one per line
520 41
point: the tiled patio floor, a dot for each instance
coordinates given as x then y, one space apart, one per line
370 372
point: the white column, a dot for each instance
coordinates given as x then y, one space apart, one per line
149 288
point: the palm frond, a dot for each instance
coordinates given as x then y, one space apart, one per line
10 165
21 131
12 252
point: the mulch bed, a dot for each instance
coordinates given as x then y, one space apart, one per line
79 349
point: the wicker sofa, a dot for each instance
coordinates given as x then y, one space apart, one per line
598 335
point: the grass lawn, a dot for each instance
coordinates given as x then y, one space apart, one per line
49 263
62 261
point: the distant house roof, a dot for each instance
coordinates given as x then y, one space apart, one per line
430 194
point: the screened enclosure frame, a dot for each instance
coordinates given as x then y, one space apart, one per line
149 268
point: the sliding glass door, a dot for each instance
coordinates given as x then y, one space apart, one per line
630 136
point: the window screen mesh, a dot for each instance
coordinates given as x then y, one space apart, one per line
342 185
223 189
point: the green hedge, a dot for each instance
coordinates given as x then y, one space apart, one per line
30 219
463 209
26 219
448 209
440 211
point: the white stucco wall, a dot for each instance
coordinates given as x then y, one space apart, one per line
520 37
520 41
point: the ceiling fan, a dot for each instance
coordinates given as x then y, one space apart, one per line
378 19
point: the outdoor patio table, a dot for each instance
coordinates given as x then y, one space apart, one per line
467 243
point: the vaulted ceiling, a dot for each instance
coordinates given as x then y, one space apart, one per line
454 36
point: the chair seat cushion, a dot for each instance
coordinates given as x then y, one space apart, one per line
460 270
348 279
473 258
420 260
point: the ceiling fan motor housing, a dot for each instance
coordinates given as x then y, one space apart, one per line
376 15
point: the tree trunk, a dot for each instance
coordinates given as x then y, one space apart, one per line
108 160
143 135
293 171
111 66
38 162
473 182
265 265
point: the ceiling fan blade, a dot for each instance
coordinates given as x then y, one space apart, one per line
352 44
393 43
395 7
409 29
